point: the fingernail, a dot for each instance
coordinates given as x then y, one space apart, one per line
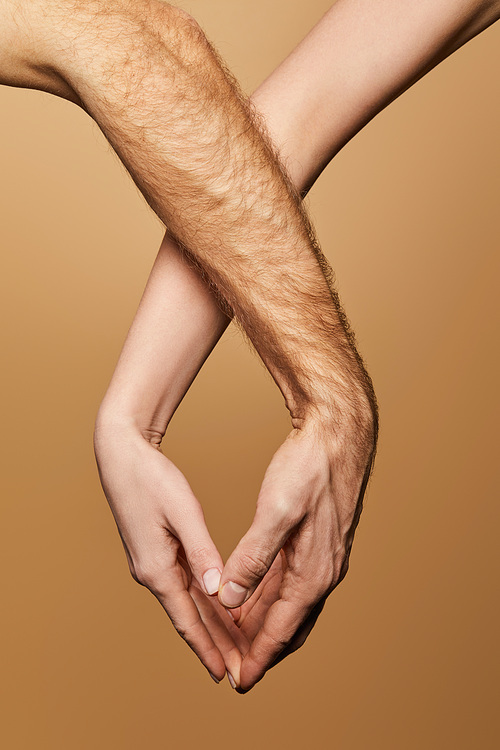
214 678
232 594
211 580
230 615
231 680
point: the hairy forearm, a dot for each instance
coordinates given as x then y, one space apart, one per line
309 118
188 138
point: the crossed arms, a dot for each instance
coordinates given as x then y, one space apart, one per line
179 123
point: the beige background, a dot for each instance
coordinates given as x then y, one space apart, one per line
405 653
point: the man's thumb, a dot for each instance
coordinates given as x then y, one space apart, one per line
249 562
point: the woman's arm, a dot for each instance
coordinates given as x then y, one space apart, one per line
360 57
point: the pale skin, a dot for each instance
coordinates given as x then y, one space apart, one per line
311 514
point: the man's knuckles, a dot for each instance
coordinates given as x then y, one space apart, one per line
249 565
280 512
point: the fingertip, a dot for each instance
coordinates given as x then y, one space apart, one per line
242 691
234 676
211 581
250 674
234 614
233 595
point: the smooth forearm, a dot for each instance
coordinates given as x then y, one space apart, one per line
177 324
357 59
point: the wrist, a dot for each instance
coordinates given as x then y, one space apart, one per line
345 417
115 421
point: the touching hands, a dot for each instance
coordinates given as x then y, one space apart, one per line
256 246
290 560
293 556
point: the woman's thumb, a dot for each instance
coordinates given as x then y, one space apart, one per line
202 555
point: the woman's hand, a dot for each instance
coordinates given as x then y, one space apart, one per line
167 543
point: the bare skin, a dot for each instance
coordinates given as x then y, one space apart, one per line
152 376
148 76
315 364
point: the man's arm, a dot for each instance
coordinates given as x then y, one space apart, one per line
180 125
183 129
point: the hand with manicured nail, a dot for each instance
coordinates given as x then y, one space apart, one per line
298 546
168 546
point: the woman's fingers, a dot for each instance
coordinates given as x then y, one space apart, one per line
160 563
185 519
166 540
230 641
177 602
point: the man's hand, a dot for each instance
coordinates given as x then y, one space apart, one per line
307 510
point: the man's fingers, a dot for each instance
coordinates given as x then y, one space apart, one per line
254 612
280 625
251 559
302 634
